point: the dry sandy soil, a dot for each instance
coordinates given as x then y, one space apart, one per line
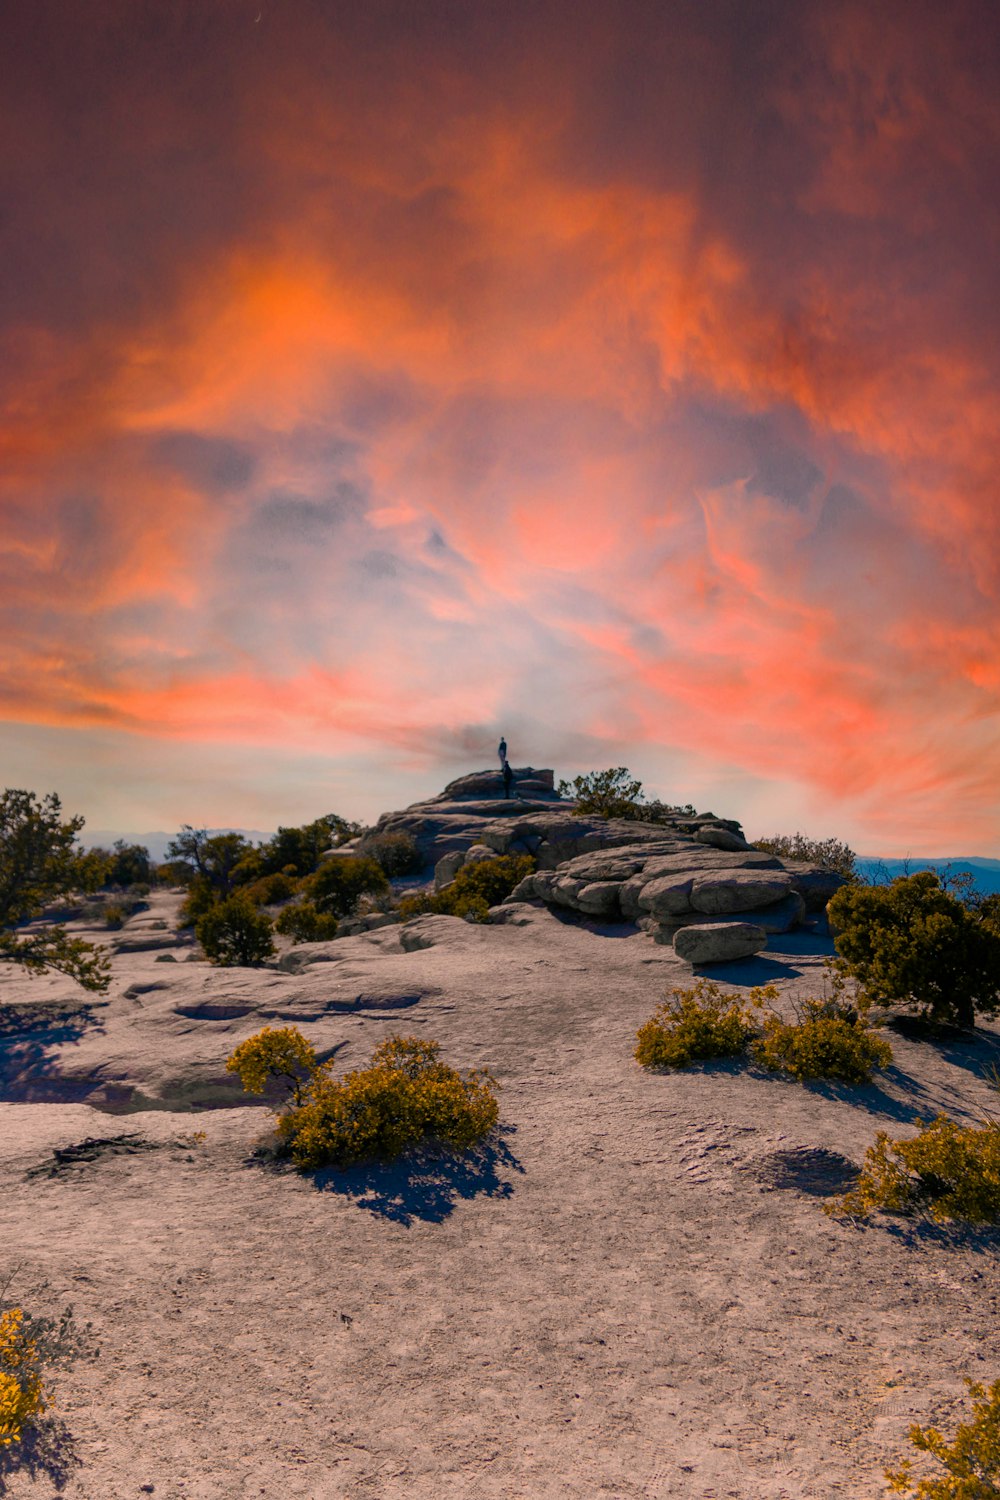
632 1292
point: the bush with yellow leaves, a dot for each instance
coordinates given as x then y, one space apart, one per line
405 1096
827 1040
699 1023
971 1460
21 1394
27 1344
948 1171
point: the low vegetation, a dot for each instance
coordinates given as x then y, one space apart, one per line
947 1172
971 1461
405 1096
913 944
341 881
28 1345
233 932
830 854
698 1023
303 922
828 1039
396 854
475 888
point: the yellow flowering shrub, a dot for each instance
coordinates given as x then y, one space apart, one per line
949 1171
698 1023
21 1394
406 1095
273 1052
826 1041
971 1461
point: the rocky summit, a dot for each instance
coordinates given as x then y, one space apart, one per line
680 872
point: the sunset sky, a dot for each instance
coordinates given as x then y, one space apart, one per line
380 376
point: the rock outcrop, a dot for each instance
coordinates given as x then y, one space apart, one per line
691 871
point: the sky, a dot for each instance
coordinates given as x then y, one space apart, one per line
375 379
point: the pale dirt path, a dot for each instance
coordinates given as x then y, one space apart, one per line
618 1303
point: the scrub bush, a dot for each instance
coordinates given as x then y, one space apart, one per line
830 853
947 1171
405 1096
474 890
304 924
912 943
201 897
270 889
27 1344
827 1040
699 1023
396 853
971 1460
234 932
606 794
341 881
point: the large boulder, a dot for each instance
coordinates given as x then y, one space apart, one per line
482 785
719 942
738 890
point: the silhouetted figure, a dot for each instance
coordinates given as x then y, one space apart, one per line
502 752
508 777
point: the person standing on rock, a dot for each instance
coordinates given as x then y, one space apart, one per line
508 777
502 752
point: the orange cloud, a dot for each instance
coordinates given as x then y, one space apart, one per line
423 406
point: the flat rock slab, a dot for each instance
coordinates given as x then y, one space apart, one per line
719 942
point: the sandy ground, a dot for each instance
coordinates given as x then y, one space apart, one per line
632 1292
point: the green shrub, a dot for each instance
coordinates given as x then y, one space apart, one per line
234 932
38 865
830 853
699 1023
268 890
474 890
606 794
396 853
947 1171
304 924
214 858
405 1096
341 881
971 1460
114 915
200 899
826 1041
912 943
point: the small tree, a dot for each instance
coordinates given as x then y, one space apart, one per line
912 943
213 857
342 880
37 865
234 932
606 794
304 924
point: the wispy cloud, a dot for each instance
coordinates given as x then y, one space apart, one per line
630 382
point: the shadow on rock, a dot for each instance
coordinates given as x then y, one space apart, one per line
46 1450
427 1183
748 971
28 1071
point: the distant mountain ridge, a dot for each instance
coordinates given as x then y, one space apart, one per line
156 843
986 872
